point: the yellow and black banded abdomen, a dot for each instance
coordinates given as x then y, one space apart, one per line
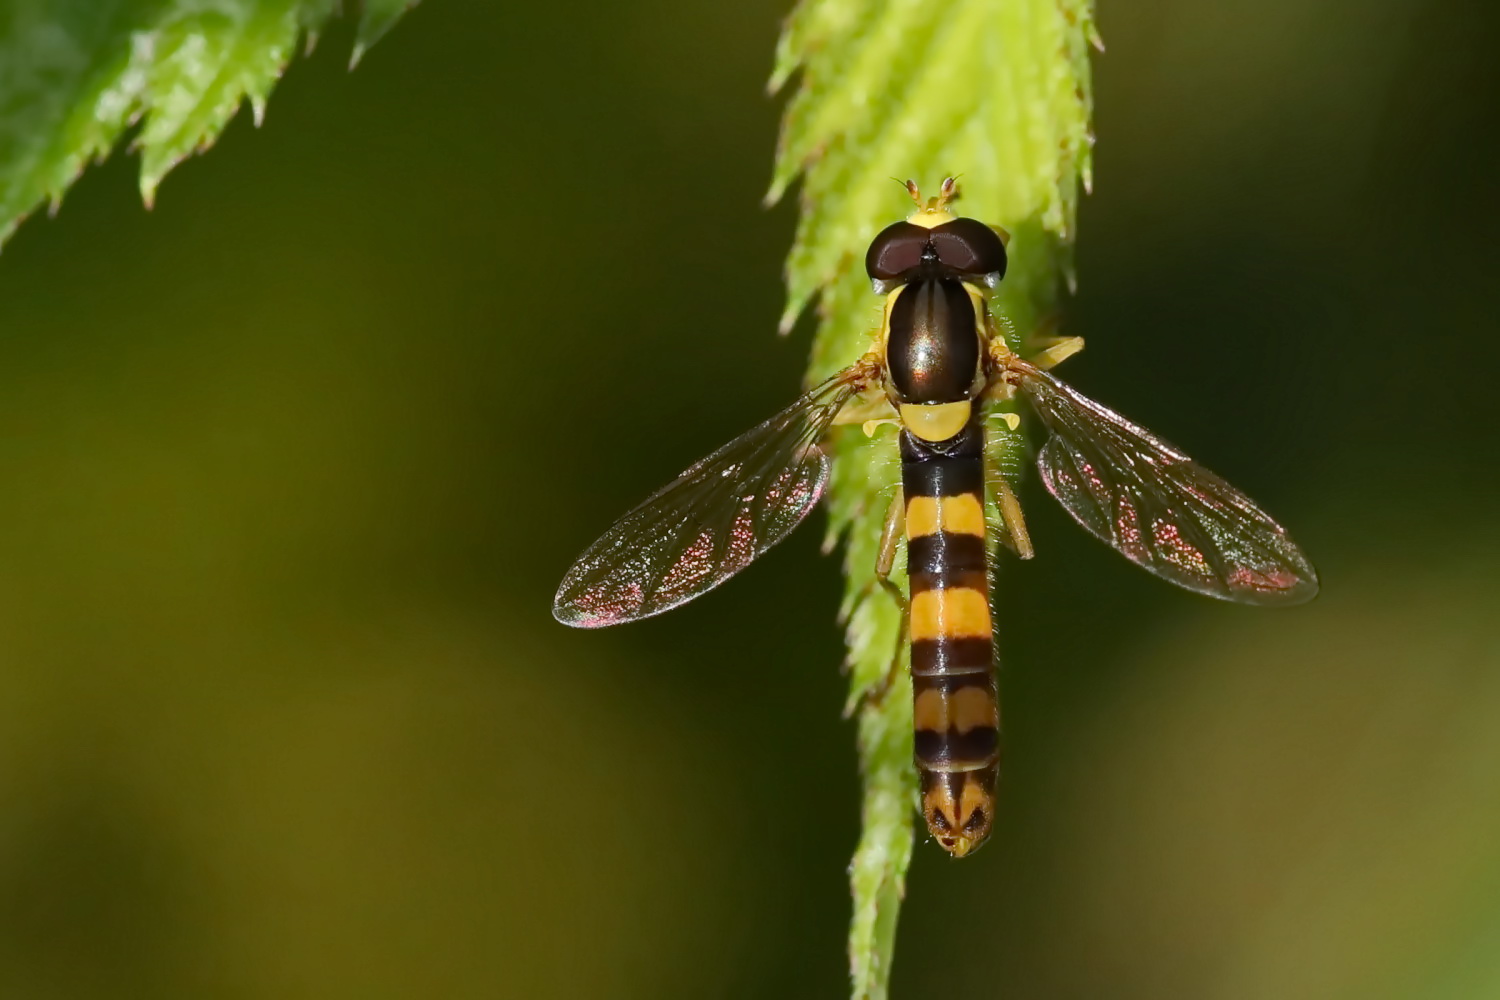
956 709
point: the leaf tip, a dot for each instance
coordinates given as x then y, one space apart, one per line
379 17
788 318
779 76
153 172
785 172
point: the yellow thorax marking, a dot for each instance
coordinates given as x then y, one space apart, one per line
982 321
935 421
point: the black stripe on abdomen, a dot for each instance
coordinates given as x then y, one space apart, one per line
956 711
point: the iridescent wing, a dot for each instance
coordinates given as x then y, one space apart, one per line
1158 507
710 522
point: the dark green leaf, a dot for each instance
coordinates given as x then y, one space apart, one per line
75 74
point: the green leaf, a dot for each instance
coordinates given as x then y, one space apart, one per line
74 74
380 16
998 92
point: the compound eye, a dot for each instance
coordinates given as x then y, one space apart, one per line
896 250
969 247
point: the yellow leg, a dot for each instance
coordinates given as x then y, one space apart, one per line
1003 361
890 537
1012 520
1056 351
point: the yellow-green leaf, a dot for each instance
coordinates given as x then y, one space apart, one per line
996 91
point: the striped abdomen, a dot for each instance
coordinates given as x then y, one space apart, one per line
957 714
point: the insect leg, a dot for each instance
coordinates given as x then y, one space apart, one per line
1003 362
891 534
1012 521
1056 351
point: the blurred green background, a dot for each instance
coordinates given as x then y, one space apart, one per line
293 463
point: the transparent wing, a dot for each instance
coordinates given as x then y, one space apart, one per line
710 522
1158 507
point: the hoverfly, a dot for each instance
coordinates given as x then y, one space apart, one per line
937 359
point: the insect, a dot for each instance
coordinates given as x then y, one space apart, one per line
937 359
